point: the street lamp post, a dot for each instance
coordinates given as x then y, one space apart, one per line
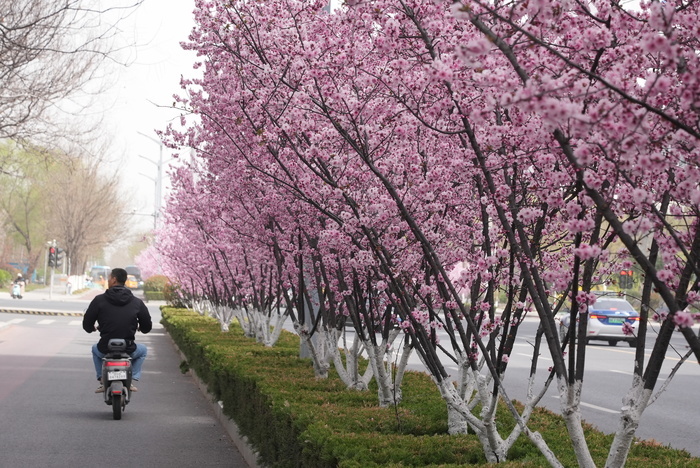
156 205
158 179
52 244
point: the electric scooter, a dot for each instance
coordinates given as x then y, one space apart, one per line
16 291
116 376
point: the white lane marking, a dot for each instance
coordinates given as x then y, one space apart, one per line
75 322
547 358
595 407
3 324
18 320
630 373
45 322
599 408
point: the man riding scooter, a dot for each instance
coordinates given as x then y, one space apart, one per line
119 314
17 290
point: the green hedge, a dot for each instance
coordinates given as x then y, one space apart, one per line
154 295
5 278
156 283
295 420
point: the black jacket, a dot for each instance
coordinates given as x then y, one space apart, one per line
119 314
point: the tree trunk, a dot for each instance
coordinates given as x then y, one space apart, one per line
318 352
571 412
350 373
635 402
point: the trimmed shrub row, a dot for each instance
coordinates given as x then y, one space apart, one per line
5 278
154 295
156 283
294 420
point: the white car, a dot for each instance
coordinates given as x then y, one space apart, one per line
606 322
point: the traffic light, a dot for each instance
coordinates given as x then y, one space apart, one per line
626 279
52 257
59 257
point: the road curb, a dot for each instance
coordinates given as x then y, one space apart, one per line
240 441
41 312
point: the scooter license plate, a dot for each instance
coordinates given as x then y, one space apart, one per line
116 375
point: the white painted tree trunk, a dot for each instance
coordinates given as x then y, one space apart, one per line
402 363
319 352
202 307
470 389
349 372
454 401
456 424
265 332
276 330
634 404
224 315
385 388
388 388
570 398
245 321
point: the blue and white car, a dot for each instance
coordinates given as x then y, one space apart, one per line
610 319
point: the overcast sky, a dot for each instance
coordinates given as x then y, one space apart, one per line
154 32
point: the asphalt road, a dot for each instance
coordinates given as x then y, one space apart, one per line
671 420
50 415
46 376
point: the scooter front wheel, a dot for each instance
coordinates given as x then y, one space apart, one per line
117 406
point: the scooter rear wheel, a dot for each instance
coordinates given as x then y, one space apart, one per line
117 406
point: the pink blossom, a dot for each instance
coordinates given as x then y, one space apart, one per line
665 275
660 316
639 195
627 328
693 296
586 298
683 319
586 251
529 215
334 146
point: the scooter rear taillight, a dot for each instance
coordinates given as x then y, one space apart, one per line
116 363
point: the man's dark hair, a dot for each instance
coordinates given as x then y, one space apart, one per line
119 274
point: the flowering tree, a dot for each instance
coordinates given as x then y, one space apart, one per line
352 160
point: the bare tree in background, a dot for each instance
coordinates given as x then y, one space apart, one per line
49 51
67 197
86 210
